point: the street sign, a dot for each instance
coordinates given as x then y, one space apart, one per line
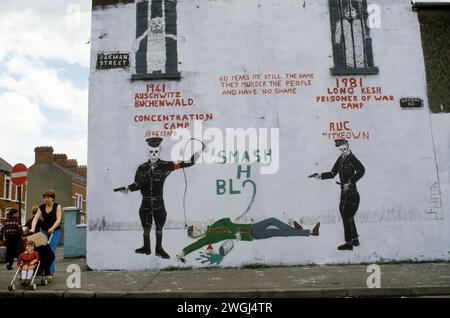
411 103
19 174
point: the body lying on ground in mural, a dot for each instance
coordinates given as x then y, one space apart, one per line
225 229
149 179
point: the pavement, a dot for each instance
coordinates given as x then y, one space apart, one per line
330 281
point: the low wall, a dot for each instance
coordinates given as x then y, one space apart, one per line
74 234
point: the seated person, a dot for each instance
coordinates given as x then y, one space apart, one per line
46 255
27 262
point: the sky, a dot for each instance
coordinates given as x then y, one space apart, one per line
44 72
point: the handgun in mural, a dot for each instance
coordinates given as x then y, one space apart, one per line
225 230
149 179
350 34
350 171
154 52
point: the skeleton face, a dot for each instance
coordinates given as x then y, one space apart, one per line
344 149
157 25
154 154
350 13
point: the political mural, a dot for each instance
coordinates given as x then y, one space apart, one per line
230 132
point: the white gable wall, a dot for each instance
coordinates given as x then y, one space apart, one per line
222 38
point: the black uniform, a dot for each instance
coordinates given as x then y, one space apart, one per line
350 171
149 179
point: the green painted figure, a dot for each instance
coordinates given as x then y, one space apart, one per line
225 230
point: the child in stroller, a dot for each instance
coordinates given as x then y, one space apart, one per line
42 266
27 262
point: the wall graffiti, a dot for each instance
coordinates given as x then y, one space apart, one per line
344 130
264 83
224 187
352 93
434 210
156 96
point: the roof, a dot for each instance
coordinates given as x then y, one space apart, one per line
110 2
5 166
69 172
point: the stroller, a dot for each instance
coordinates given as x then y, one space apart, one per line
42 269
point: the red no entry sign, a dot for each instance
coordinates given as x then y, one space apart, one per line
19 174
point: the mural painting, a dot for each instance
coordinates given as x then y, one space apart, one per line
224 229
155 47
350 171
352 44
202 83
149 180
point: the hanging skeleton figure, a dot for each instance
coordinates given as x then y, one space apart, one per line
155 49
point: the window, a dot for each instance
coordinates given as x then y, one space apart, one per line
350 35
82 218
79 201
7 188
154 52
17 193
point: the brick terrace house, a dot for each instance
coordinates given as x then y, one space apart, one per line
9 192
64 176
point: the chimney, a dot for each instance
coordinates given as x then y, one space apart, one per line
60 159
82 170
72 165
43 154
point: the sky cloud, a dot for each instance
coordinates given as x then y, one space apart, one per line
44 86
41 102
46 29
21 126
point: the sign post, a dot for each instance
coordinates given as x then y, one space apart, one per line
19 174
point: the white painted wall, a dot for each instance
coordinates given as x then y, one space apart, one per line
226 37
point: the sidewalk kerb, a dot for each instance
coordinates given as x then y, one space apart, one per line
11 294
110 294
230 294
335 293
430 290
79 294
43 294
